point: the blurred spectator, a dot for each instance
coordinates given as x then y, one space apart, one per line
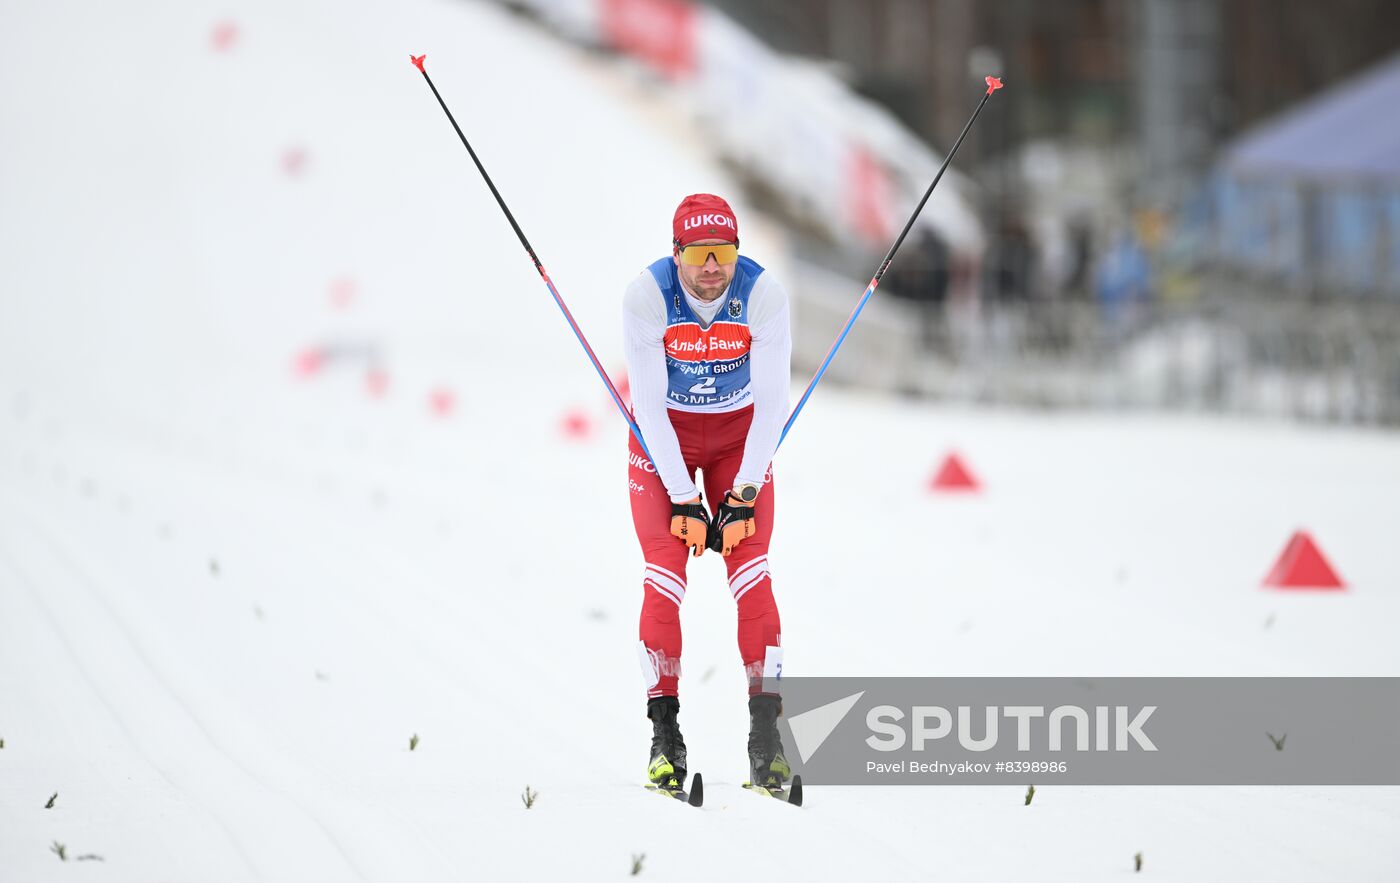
1081 237
920 270
1121 280
1011 262
920 274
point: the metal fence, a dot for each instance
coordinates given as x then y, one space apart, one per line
1230 348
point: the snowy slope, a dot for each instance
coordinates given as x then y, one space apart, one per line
229 595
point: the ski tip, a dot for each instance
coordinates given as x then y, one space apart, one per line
418 61
993 84
795 791
697 791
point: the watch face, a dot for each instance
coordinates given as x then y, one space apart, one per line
748 493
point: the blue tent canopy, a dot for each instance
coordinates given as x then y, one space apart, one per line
1312 197
1351 130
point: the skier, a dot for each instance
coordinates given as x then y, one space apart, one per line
708 349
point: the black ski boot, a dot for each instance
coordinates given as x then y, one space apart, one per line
667 767
767 766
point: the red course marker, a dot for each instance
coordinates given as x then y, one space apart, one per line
308 362
417 61
1303 566
576 424
342 291
224 35
376 382
294 161
953 475
442 401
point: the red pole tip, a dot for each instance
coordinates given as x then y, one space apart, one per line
418 62
993 84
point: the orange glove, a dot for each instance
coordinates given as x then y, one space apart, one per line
690 522
733 524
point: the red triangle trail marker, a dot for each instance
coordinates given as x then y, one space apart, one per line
954 475
1303 566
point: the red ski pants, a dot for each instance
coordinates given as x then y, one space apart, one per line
713 444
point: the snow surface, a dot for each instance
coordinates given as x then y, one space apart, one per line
230 595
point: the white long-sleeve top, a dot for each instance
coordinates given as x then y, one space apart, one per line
770 371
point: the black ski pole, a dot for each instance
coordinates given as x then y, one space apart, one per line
993 84
539 267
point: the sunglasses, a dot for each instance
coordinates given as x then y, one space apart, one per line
697 255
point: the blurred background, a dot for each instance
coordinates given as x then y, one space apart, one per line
1185 204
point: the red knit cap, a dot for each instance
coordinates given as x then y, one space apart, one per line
703 216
